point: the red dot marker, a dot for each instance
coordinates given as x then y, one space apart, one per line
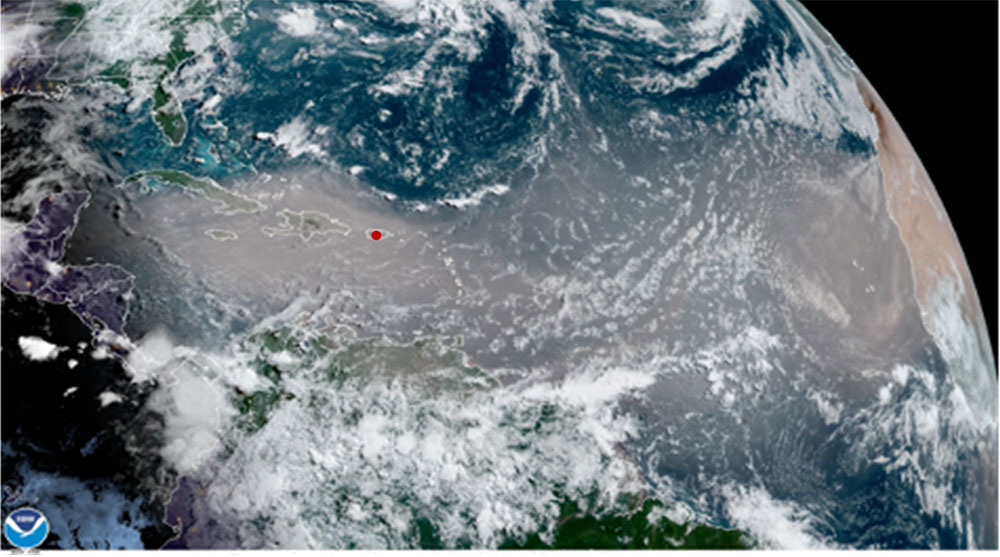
376 235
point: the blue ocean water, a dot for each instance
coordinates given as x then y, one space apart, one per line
426 115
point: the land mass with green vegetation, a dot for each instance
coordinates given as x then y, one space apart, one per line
634 521
644 527
227 202
168 114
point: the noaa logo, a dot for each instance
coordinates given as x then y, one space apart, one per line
26 528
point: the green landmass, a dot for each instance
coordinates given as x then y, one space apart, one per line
116 73
73 10
632 522
168 115
642 527
172 123
227 202
70 16
426 363
435 369
306 224
167 112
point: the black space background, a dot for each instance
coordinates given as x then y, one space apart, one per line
935 66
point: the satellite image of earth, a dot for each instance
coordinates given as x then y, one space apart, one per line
477 274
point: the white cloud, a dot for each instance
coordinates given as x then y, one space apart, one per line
776 524
37 349
108 397
17 41
300 22
476 197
